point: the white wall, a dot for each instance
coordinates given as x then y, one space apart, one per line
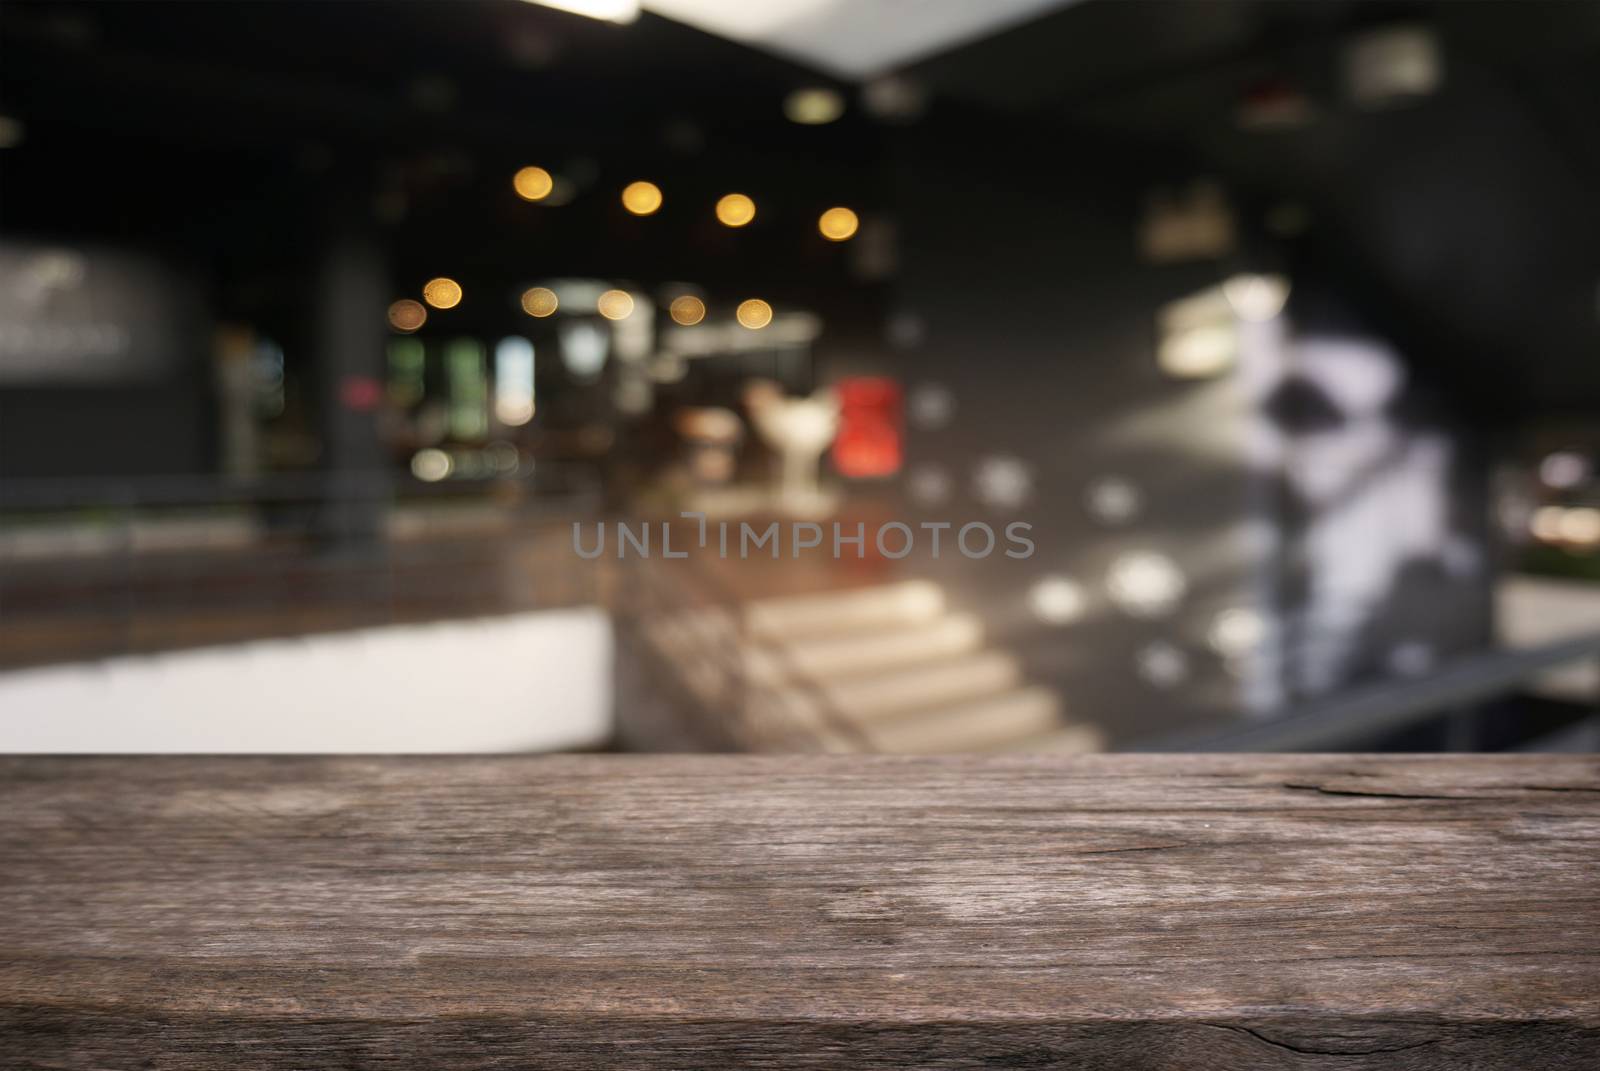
523 682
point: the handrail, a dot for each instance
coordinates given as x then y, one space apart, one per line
1331 723
651 597
697 587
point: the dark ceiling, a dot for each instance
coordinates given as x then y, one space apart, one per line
239 133
1467 221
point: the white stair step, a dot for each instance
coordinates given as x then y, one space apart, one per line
993 721
867 652
884 696
907 602
925 684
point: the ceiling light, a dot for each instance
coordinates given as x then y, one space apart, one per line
641 198
754 314
615 305
838 224
618 11
539 301
533 183
687 310
854 40
735 210
407 315
442 293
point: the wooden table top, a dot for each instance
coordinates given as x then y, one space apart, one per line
1179 911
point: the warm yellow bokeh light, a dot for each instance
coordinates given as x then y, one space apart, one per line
814 106
641 198
615 305
1581 525
735 210
407 315
838 224
442 293
539 301
687 310
754 314
533 183
1546 523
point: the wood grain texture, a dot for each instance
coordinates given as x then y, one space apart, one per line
1164 912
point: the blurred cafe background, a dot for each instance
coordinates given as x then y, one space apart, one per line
325 328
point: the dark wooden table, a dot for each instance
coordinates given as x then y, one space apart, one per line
1175 912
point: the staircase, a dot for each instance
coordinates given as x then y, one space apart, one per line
883 668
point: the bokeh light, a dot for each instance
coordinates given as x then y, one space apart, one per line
1002 481
838 224
1257 298
1113 500
813 106
1564 469
431 465
502 456
754 314
1162 665
929 485
533 183
407 315
1545 524
615 305
539 301
1057 600
1237 632
1146 584
1198 352
641 198
687 310
735 210
931 406
513 381
585 345
442 293
1581 526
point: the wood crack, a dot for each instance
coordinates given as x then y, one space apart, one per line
1325 791
1303 1051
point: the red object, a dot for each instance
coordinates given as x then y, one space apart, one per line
360 393
869 440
